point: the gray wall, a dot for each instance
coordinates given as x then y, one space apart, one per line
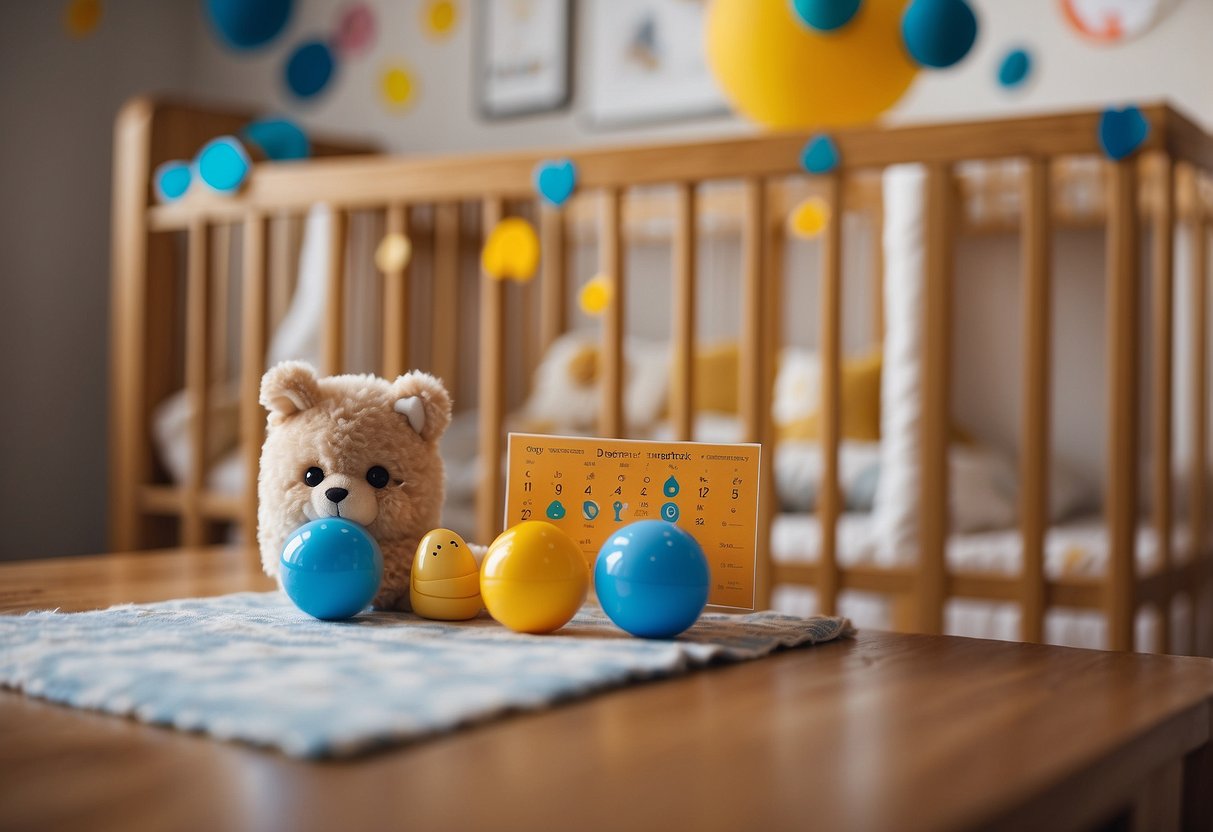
58 97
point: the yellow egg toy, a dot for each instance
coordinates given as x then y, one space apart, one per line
445 583
534 578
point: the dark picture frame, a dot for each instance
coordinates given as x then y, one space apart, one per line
523 57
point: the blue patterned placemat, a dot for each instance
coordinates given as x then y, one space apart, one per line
251 667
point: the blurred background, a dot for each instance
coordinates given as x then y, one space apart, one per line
408 76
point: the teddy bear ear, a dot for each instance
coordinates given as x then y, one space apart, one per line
289 387
424 402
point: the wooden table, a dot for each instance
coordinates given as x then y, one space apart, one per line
886 731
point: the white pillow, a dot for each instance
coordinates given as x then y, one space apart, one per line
797 386
559 401
895 513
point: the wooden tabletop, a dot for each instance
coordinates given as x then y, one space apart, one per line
881 732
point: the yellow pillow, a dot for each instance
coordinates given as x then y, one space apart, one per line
714 375
716 371
859 405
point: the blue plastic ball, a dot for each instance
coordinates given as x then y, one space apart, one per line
331 568
651 578
223 164
825 15
938 33
279 139
247 24
172 180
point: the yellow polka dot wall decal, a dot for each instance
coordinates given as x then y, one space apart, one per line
399 87
596 294
440 17
393 253
81 17
809 218
511 251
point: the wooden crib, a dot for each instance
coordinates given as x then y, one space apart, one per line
171 293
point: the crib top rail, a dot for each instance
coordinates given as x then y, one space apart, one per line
365 181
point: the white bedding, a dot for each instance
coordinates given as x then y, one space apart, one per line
1075 548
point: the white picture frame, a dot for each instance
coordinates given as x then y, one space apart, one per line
647 62
523 56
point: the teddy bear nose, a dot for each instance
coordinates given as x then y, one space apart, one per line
337 494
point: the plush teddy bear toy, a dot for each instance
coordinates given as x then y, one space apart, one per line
353 446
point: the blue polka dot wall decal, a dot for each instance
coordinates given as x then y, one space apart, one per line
223 164
556 181
1015 68
248 24
820 154
309 68
279 139
938 33
171 180
825 15
1121 132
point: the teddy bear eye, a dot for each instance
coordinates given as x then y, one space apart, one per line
313 477
377 476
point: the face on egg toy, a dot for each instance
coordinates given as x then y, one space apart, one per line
445 584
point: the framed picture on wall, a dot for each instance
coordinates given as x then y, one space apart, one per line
523 56
647 62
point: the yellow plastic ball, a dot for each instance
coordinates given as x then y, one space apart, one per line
534 578
784 75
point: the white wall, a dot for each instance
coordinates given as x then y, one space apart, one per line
58 98
1172 61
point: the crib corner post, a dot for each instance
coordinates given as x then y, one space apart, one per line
1036 263
936 396
1124 399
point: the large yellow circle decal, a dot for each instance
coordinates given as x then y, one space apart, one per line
779 72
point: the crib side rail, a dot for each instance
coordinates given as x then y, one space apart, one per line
496 185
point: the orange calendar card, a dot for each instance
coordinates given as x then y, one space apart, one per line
590 486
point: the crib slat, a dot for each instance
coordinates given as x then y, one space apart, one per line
1123 334
936 395
221 288
1198 468
610 419
553 301
491 387
877 247
773 302
1035 257
682 399
396 301
197 377
829 503
252 362
334 299
753 390
752 372
444 330
1162 306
